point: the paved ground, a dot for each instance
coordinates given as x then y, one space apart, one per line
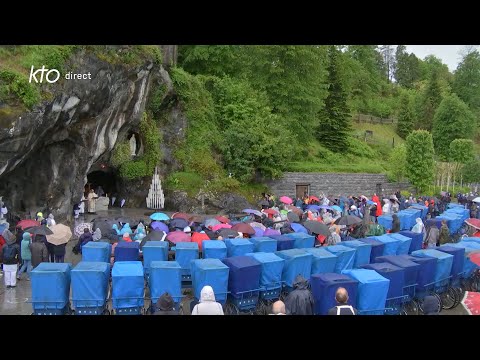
16 301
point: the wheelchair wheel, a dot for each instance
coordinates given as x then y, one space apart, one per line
263 307
106 312
420 302
460 294
449 298
231 309
410 308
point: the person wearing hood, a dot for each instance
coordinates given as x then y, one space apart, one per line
419 228
39 252
395 224
300 300
51 220
207 304
26 255
376 200
432 237
97 235
82 240
165 305
444 233
387 206
10 258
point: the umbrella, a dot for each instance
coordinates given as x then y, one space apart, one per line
471 302
39 230
473 222
258 232
178 223
61 234
370 202
264 203
222 219
286 200
270 211
257 225
178 236
251 211
228 233
243 228
271 232
180 216
23 224
221 226
198 237
78 231
159 226
284 212
127 220
196 219
104 226
292 217
159 216
295 209
317 227
474 257
153 236
314 198
315 207
348 220
336 208
209 223
299 228
477 199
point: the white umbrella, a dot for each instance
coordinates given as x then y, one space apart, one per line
78 231
477 200
61 234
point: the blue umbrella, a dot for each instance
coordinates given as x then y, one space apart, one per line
314 207
326 207
251 211
370 202
159 216
336 208
299 228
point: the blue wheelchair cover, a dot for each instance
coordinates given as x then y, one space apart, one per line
211 272
302 240
264 244
90 282
324 286
165 276
154 251
297 262
378 248
238 247
96 251
395 274
404 245
244 274
458 258
444 264
284 242
185 252
214 249
127 251
417 240
323 261
468 266
50 285
127 284
386 221
411 268
363 251
272 268
391 244
345 257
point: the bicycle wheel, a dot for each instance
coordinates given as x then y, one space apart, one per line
449 298
231 309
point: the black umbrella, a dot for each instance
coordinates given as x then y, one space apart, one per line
40 230
179 223
292 217
153 236
264 203
127 220
105 226
348 220
228 233
317 227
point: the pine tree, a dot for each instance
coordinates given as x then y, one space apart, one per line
431 101
420 155
406 116
335 118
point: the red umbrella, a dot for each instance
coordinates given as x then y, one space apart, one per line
196 218
473 222
270 211
475 257
221 226
23 224
314 198
180 215
243 228
222 219
471 302
178 236
198 238
286 200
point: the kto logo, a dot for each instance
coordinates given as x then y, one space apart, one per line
51 75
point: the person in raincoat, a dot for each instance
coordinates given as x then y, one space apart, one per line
140 232
165 305
300 300
39 252
387 206
419 228
207 304
26 255
433 234
395 224
10 258
51 220
444 233
334 237
376 200
97 235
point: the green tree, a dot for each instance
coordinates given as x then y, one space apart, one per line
467 80
471 171
432 98
420 154
453 120
462 151
398 162
406 116
335 125
407 68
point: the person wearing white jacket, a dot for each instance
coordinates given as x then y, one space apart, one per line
207 304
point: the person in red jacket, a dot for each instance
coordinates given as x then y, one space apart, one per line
376 200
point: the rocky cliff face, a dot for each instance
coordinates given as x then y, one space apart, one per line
45 154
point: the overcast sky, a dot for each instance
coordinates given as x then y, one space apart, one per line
449 54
